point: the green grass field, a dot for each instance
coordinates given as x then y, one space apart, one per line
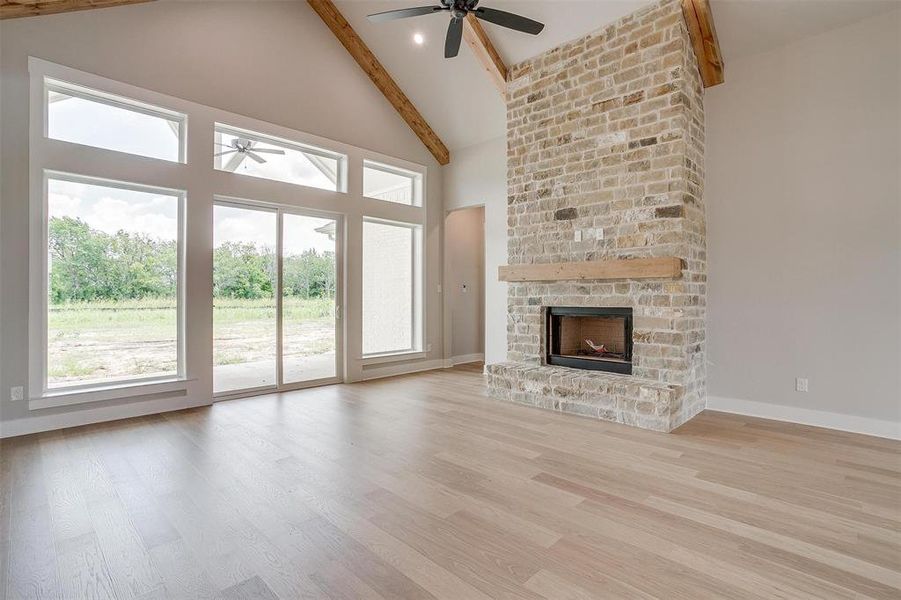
116 340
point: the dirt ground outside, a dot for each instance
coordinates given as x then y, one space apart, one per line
104 342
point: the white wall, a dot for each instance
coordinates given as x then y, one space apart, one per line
464 281
804 229
286 68
477 176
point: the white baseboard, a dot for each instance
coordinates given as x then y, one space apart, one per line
402 369
39 423
416 367
467 358
806 416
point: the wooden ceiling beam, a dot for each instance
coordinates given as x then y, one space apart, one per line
486 53
349 38
14 9
699 20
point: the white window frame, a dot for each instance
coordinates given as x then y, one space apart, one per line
75 388
72 161
415 176
78 91
418 312
256 136
202 183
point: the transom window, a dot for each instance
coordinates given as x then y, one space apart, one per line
384 182
83 116
253 154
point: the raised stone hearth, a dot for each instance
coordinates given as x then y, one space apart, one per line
623 399
605 147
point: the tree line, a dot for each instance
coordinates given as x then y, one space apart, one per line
90 265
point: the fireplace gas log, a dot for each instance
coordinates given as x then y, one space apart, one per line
598 349
601 351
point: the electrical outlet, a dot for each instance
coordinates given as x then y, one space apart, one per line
428 347
599 233
16 393
801 384
578 235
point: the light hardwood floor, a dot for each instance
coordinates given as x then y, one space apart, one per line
420 487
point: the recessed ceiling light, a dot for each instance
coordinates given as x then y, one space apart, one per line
418 39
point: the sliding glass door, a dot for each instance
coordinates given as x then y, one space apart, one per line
245 327
275 291
309 292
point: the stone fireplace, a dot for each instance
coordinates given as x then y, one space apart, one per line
605 147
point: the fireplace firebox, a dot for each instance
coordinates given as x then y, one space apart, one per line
598 339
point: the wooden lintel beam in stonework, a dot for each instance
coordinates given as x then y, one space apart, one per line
664 267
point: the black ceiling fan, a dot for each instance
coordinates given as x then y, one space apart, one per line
458 10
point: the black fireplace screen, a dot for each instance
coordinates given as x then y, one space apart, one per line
582 337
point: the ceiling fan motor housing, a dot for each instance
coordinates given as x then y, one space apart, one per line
459 8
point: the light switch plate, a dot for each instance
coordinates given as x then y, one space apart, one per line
16 393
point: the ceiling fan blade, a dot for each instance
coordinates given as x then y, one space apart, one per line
225 145
269 150
509 20
224 153
252 154
454 36
403 13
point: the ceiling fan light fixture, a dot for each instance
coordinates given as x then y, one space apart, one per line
459 9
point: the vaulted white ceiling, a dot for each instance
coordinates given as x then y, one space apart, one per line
464 108
454 95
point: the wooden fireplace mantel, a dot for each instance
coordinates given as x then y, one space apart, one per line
622 268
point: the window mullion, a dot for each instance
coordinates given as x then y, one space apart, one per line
279 299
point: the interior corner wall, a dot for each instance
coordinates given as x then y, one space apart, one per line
804 230
477 176
295 74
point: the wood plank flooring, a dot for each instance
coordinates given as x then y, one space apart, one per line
421 487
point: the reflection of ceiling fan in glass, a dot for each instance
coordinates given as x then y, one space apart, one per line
246 147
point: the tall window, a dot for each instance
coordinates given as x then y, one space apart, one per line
112 261
391 287
113 281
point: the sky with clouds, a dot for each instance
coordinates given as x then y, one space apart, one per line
111 209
